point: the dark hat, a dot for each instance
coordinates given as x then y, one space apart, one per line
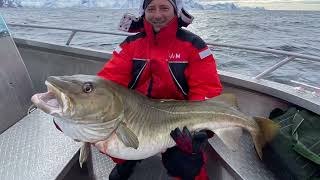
147 2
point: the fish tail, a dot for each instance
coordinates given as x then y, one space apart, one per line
268 130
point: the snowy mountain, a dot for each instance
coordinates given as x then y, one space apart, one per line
190 4
222 6
114 4
9 3
123 4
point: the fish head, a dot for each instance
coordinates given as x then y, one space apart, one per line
80 100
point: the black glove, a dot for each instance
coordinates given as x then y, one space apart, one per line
186 159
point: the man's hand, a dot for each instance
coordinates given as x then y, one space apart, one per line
188 143
186 159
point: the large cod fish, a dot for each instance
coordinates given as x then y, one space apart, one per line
91 109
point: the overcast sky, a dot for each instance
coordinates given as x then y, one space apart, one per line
275 4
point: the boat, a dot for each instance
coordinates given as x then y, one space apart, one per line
31 147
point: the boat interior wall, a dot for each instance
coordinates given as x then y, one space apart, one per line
274 89
50 60
253 103
30 146
16 87
88 53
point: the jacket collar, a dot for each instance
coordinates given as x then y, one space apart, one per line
165 34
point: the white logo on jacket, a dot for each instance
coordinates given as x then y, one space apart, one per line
174 56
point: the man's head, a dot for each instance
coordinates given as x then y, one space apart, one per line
159 12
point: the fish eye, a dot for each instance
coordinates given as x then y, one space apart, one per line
87 87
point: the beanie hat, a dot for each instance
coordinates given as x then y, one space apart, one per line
147 2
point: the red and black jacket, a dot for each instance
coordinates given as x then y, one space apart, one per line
172 64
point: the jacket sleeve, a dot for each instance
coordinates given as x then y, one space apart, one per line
202 75
118 68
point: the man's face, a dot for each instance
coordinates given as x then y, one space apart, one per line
159 13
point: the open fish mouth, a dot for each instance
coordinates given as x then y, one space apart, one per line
52 102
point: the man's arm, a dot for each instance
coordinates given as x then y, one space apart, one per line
118 68
202 75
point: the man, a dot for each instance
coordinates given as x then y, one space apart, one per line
164 61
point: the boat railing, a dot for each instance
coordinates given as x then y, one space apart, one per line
289 56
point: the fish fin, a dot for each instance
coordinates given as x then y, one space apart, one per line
227 98
229 136
126 135
269 129
84 153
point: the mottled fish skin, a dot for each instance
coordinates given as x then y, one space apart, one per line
136 127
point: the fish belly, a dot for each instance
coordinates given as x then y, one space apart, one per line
146 149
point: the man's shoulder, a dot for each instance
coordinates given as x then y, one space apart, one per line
134 37
187 36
